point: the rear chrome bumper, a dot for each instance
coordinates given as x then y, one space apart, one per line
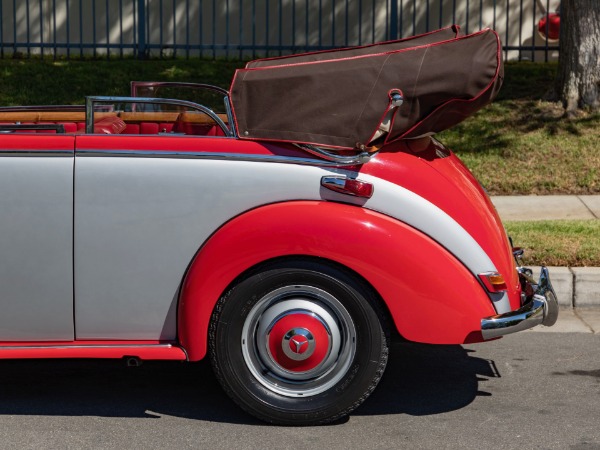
540 309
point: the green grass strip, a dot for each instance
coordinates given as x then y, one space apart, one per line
573 243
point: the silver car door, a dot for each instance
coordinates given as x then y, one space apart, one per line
36 237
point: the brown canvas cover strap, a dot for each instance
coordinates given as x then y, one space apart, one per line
339 101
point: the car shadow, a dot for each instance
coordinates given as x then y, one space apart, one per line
419 380
108 388
423 379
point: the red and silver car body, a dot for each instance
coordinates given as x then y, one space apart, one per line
121 242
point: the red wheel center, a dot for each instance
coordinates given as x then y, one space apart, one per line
298 342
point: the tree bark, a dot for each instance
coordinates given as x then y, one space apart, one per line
578 78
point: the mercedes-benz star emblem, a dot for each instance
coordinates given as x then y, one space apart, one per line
298 344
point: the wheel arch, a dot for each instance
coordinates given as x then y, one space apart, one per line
283 260
399 263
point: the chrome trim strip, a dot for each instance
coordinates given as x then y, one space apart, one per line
36 153
360 158
40 347
208 155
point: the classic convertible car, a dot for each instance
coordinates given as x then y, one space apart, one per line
286 236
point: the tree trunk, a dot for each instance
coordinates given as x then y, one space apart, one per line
578 78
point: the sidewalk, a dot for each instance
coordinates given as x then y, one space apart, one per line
548 207
577 288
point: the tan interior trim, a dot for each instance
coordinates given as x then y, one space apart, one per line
200 117
49 116
79 116
190 117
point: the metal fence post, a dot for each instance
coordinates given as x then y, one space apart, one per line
141 29
393 19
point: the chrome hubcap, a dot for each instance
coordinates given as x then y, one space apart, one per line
298 341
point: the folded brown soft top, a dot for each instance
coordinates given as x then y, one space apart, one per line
364 97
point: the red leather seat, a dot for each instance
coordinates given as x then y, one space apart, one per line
109 125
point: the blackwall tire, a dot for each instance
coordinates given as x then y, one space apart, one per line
299 343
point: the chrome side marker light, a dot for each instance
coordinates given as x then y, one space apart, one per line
349 186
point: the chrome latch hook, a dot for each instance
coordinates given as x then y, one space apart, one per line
396 98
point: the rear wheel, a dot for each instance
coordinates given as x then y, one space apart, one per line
299 343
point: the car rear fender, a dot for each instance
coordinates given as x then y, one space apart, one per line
430 294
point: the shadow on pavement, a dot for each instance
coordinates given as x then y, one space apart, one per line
107 388
428 379
419 380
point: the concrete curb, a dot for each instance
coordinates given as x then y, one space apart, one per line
578 293
575 286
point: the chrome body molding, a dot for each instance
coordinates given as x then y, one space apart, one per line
540 309
360 158
173 154
36 153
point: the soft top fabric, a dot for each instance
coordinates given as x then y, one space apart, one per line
338 99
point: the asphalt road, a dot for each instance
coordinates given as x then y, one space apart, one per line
531 390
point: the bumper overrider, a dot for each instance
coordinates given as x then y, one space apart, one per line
539 308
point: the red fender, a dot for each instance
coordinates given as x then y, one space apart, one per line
431 296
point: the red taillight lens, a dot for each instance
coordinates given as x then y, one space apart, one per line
348 186
493 281
359 188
